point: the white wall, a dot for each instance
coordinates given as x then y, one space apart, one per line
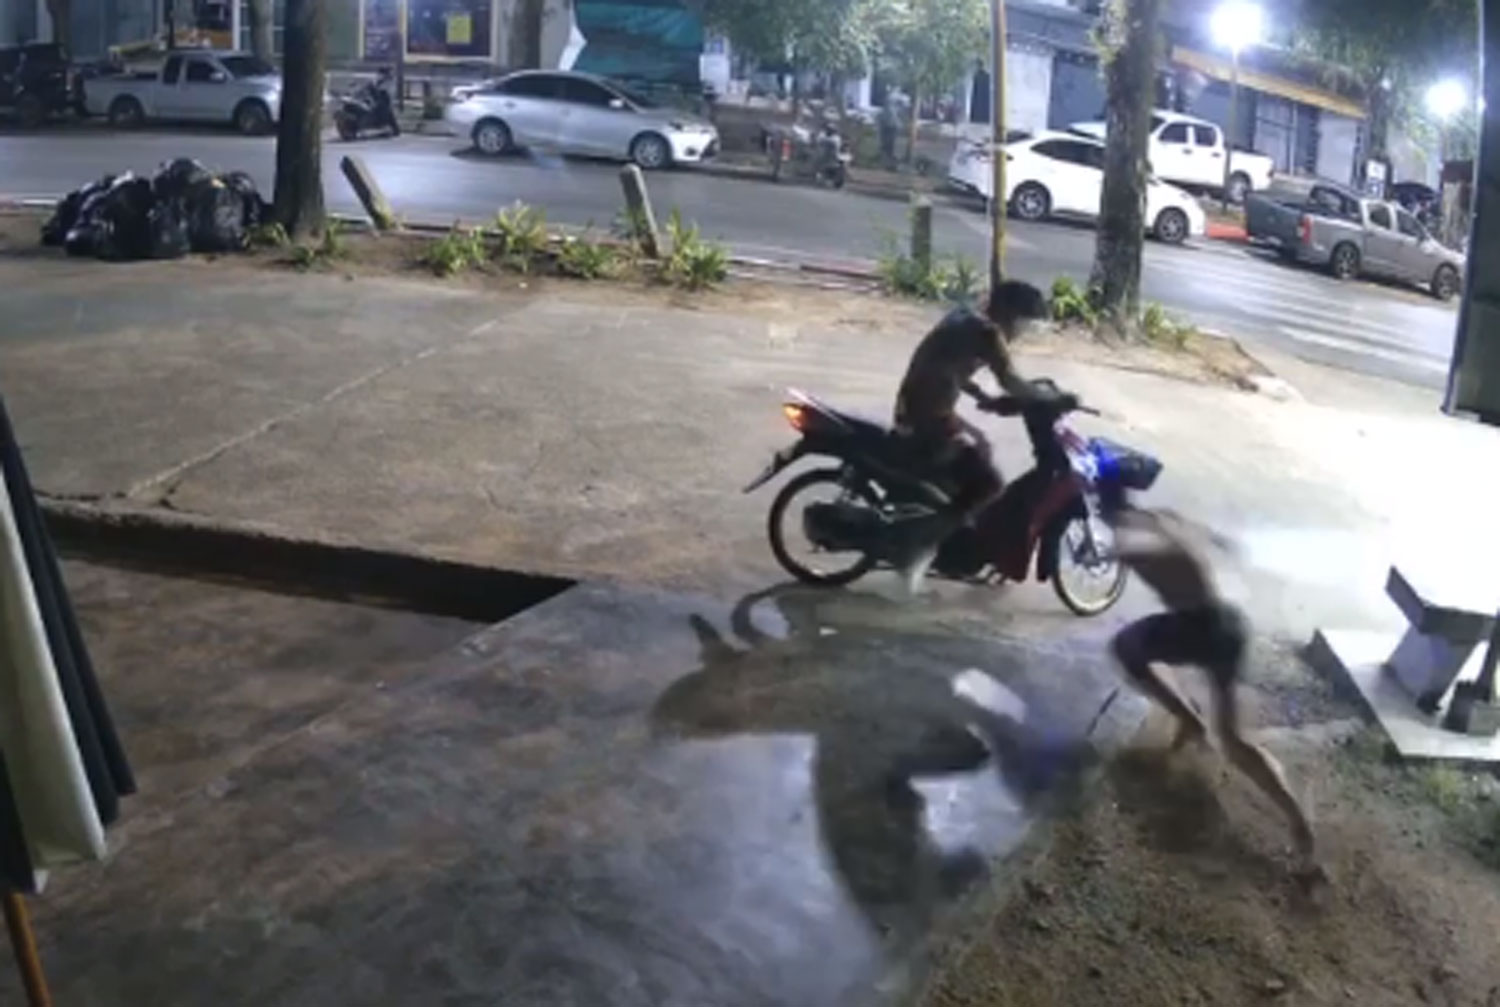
1028 88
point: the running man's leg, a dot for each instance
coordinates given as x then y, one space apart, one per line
1140 644
1258 764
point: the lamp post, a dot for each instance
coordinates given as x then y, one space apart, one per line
1236 24
997 140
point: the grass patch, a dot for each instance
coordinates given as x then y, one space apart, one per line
520 236
692 263
331 247
1072 303
1161 329
585 259
459 250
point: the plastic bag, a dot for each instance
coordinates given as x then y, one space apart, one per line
83 237
124 210
66 216
255 208
216 218
169 233
174 178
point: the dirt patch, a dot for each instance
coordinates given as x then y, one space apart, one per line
1202 357
1171 883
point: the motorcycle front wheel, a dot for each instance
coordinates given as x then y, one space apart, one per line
1086 576
800 557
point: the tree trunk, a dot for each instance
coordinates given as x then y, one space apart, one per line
299 146
61 13
1130 71
526 35
913 118
262 36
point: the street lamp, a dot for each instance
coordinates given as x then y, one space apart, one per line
1236 24
1446 98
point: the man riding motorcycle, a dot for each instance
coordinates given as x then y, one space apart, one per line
942 368
377 94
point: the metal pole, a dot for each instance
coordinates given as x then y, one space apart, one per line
998 204
1234 108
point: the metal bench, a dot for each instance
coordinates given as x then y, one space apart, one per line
1445 626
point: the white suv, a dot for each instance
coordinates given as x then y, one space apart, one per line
1191 152
575 113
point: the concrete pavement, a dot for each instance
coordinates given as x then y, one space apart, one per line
1381 330
589 431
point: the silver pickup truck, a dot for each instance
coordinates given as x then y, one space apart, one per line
198 85
1329 226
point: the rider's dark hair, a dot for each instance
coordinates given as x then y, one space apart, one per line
1013 301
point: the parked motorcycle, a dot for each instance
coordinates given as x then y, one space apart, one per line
366 111
801 153
849 514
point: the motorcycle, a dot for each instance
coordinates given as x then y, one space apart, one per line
364 112
1050 514
820 156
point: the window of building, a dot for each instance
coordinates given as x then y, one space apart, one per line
449 29
278 20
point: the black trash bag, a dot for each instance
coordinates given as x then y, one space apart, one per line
174 178
256 209
84 236
65 217
170 236
125 209
216 218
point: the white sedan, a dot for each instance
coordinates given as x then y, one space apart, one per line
1063 174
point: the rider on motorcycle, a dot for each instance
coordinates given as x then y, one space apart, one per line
377 94
941 370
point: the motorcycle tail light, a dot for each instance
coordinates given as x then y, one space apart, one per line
795 415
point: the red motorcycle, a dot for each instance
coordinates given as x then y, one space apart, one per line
832 525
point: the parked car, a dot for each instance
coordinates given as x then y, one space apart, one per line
1190 152
1063 174
1333 227
36 82
192 86
577 113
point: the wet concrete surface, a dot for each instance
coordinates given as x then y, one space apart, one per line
621 797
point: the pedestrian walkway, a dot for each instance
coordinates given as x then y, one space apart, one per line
621 798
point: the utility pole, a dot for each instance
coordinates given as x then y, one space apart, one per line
1234 109
998 205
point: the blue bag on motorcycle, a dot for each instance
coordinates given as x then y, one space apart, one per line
1131 469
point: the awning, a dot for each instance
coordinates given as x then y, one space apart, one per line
1309 94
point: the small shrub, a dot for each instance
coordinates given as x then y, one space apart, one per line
1162 329
693 263
271 235
1071 303
961 280
456 251
521 233
955 280
583 259
329 248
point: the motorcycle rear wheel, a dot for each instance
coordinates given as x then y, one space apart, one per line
1106 571
347 128
863 562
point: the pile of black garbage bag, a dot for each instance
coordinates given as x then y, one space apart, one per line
183 208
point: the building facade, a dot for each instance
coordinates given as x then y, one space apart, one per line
655 40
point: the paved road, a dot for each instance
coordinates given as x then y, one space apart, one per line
1375 329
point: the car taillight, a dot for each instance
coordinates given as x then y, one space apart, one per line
1306 229
795 415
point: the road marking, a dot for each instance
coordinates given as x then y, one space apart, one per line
1426 363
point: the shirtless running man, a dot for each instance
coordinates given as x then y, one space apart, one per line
1198 628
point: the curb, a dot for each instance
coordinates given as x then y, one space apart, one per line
1216 231
161 541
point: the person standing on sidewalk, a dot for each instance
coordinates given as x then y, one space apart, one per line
1198 628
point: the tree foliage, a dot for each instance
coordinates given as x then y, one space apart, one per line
929 45
1394 49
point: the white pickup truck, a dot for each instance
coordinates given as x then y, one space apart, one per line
1190 152
195 85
